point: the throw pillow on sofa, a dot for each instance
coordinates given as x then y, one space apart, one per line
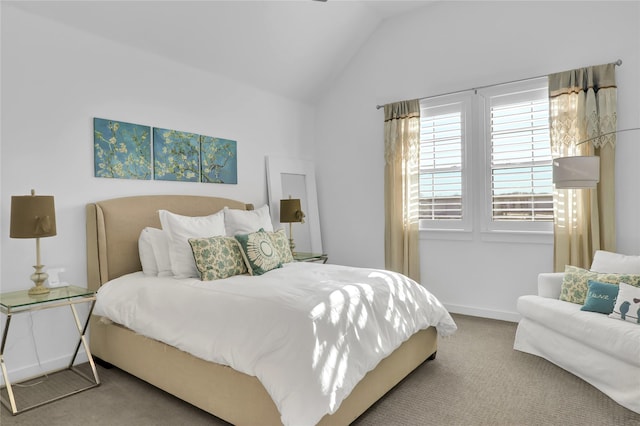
627 304
601 297
575 282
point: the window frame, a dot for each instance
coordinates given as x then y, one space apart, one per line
447 103
538 86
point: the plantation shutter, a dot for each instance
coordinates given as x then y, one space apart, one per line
441 148
521 176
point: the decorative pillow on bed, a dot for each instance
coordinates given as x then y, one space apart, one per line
575 282
281 243
217 257
601 297
247 221
627 304
259 253
180 229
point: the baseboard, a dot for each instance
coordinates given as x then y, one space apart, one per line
483 313
35 370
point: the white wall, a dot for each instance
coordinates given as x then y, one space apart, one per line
452 46
54 81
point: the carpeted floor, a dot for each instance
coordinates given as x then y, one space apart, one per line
476 379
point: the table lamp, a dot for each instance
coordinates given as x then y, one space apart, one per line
34 216
291 212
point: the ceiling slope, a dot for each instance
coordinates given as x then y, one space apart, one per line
292 48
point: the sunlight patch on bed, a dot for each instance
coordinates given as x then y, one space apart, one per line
346 313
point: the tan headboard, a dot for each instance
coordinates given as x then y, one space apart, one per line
114 226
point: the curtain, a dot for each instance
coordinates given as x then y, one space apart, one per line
401 187
582 105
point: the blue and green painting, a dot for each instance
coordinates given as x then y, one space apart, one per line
121 150
218 160
176 155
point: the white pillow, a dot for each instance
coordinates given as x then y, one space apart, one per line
615 263
247 221
627 306
160 244
179 229
145 249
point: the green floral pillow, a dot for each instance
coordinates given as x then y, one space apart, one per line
575 283
217 257
260 254
281 243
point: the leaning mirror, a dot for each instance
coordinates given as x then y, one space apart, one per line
288 177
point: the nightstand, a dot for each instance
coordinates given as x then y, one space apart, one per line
310 257
19 302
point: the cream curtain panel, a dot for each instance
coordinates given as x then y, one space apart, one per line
582 105
401 187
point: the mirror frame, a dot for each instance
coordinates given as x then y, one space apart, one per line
276 166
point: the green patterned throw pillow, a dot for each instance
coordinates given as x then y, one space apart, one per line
259 253
217 257
281 243
575 283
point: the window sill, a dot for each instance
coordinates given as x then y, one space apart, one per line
446 234
520 237
526 237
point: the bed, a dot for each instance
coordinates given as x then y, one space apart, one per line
113 229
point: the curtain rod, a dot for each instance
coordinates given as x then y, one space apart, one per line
618 63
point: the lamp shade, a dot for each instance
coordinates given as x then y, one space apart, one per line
32 216
576 172
290 211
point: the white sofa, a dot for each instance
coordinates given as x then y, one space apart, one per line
603 351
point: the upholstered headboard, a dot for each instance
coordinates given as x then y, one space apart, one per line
114 226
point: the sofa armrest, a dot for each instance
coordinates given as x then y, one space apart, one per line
549 284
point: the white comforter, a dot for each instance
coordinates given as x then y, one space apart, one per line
308 332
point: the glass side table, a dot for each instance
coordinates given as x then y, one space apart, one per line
310 257
19 302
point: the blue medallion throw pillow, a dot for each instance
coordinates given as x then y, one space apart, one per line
259 253
601 297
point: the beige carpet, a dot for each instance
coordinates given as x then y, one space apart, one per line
476 379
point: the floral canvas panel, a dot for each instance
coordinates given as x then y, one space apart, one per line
219 160
121 150
176 155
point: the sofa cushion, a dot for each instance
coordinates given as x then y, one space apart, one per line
627 304
619 339
606 261
575 282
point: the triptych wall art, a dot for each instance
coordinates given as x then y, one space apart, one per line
133 151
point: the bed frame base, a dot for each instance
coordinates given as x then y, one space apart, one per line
236 397
113 227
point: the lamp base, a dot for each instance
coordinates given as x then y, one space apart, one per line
38 278
38 290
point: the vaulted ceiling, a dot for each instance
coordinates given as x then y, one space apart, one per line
294 48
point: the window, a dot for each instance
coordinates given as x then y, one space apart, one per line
519 179
508 146
443 132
